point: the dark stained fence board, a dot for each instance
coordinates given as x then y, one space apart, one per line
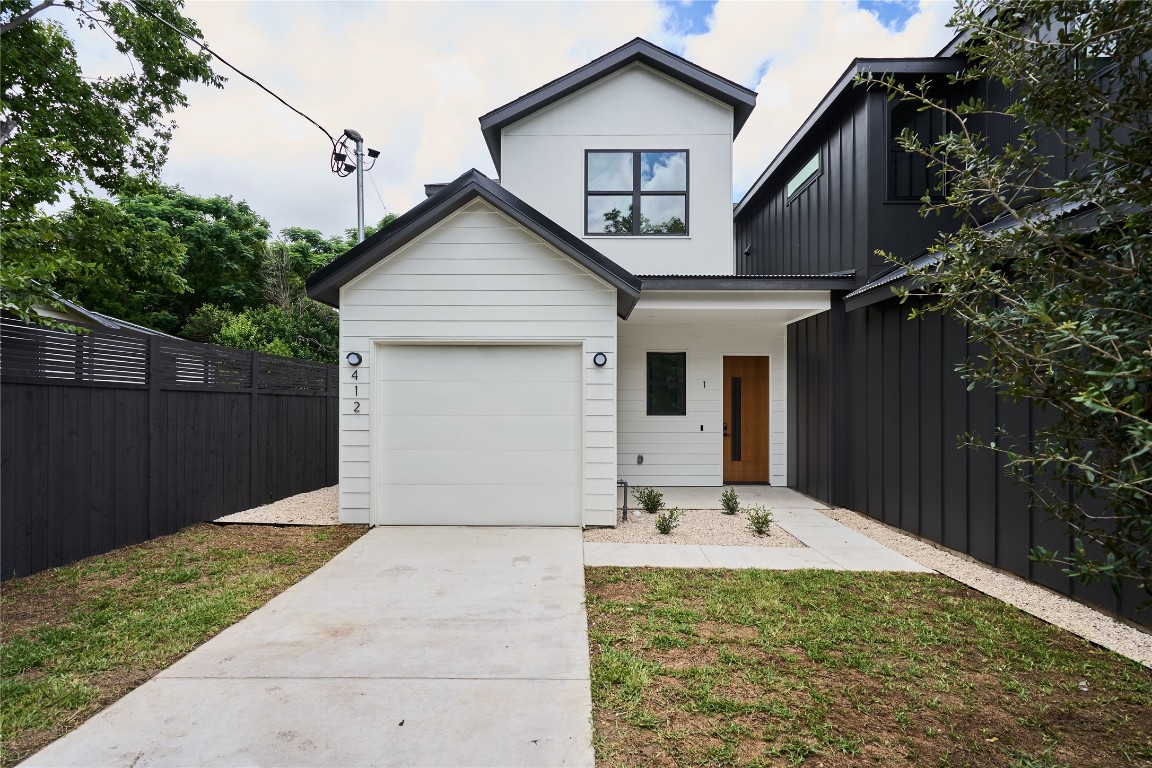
905 407
108 439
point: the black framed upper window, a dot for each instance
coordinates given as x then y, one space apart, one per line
667 383
910 175
619 184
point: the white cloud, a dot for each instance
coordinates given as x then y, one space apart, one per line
414 77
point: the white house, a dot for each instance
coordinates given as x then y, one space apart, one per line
511 349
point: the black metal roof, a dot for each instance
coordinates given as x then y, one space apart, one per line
925 66
324 284
741 99
909 274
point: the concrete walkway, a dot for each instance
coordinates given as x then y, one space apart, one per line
828 544
413 647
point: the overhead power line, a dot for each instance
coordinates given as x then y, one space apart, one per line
204 47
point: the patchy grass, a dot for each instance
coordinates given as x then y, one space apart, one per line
76 638
831 669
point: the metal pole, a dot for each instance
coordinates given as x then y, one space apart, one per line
359 189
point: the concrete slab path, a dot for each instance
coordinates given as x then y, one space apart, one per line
413 647
828 543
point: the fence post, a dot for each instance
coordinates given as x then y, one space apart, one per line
254 475
155 422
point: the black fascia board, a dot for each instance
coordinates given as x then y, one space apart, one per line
324 284
741 99
756 283
917 66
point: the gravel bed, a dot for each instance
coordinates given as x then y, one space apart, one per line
1042 603
697 526
320 507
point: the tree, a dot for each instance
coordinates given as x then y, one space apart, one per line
61 131
1051 269
130 269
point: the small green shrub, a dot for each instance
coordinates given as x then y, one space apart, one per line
649 498
730 501
759 519
667 521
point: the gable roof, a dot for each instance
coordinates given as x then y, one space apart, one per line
920 66
741 99
324 284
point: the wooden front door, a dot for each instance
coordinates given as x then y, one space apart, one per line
746 420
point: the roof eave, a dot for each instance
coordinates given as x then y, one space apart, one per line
858 66
324 284
741 99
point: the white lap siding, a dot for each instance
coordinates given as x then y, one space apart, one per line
479 277
676 450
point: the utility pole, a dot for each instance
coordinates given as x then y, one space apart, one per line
341 167
356 137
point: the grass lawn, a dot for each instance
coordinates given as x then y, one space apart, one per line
827 668
76 638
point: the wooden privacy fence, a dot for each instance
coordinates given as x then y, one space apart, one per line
109 439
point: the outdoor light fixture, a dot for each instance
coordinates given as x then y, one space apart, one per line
373 153
600 359
354 358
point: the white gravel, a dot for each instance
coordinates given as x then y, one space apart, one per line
697 526
1031 598
320 507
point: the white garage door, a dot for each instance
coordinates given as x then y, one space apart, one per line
478 435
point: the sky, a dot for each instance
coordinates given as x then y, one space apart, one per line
414 77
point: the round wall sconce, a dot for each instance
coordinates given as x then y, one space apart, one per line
354 358
600 359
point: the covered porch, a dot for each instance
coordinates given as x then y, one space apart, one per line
702 385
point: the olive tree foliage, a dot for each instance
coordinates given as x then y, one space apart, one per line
63 131
1051 268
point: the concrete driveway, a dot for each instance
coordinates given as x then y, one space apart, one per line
413 647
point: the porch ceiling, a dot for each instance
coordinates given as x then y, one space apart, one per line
726 308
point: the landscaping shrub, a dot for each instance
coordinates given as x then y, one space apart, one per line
667 521
730 501
649 498
759 519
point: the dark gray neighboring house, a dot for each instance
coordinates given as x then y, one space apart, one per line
878 406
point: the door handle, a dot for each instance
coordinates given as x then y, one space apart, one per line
725 429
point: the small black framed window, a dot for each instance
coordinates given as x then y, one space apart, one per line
910 175
619 183
667 383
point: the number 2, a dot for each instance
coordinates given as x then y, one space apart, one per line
356 407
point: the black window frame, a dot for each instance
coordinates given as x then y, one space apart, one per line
636 193
682 385
936 188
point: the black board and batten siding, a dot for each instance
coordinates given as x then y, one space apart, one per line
109 439
873 427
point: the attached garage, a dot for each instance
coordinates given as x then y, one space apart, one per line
479 434
478 366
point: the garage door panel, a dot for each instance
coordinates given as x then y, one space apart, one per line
478 363
483 435
505 468
482 505
477 433
484 398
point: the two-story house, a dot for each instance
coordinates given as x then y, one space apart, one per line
514 348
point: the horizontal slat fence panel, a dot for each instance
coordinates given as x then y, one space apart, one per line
108 438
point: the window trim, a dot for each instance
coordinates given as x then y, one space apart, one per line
892 149
808 181
637 194
648 383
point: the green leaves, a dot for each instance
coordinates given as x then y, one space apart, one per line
1048 170
62 131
